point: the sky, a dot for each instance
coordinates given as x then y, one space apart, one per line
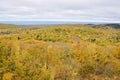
60 10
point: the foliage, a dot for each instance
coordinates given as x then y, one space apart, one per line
63 52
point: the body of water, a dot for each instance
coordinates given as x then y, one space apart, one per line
47 22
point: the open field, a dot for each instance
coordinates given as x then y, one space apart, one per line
60 52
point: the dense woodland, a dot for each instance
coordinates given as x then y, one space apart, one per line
59 52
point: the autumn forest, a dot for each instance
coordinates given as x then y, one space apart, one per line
59 52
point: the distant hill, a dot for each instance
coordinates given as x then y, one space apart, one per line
6 26
105 26
102 26
117 26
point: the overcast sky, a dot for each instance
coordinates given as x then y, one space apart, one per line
68 10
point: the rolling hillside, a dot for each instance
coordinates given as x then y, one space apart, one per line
59 52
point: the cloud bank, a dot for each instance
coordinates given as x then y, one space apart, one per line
68 10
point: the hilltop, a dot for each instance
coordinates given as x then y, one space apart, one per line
59 52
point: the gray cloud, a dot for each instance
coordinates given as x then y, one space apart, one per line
80 10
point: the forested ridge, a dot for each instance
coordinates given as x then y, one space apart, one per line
59 52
